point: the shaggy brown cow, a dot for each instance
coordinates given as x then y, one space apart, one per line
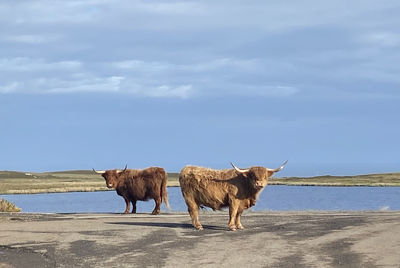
142 185
235 188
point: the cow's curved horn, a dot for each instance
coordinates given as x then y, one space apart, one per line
279 168
119 171
99 172
239 169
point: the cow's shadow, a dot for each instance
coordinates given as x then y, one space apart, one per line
169 225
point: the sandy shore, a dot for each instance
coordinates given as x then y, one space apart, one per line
271 239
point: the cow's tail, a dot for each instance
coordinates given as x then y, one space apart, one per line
164 194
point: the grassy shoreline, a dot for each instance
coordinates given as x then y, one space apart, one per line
14 182
373 180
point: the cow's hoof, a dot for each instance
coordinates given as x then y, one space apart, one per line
232 228
240 227
155 213
199 227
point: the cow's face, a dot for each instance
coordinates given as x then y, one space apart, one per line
258 176
111 177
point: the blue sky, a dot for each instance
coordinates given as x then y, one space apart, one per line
102 84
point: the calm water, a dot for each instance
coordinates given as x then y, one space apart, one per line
272 198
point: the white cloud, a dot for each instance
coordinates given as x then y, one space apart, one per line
261 90
41 76
51 85
382 39
67 80
143 66
166 8
46 11
22 64
199 48
203 66
223 63
75 12
122 14
183 91
213 77
30 38
280 91
9 88
108 84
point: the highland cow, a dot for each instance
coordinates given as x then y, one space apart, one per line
235 188
138 185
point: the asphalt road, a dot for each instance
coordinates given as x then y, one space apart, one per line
270 239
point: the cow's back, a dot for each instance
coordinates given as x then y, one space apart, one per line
146 183
153 174
206 186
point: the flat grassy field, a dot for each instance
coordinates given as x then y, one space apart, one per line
13 182
383 179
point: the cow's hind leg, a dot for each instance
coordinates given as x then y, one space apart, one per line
133 206
193 210
156 210
194 214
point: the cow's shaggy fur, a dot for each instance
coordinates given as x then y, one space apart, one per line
222 188
142 185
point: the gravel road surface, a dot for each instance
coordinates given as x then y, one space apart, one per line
270 239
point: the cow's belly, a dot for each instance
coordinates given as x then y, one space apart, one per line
207 192
211 200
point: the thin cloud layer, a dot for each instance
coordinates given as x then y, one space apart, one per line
179 49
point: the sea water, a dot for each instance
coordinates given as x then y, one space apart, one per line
273 198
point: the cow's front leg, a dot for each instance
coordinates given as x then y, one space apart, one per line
238 223
127 202
156 210
133 206
233 209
